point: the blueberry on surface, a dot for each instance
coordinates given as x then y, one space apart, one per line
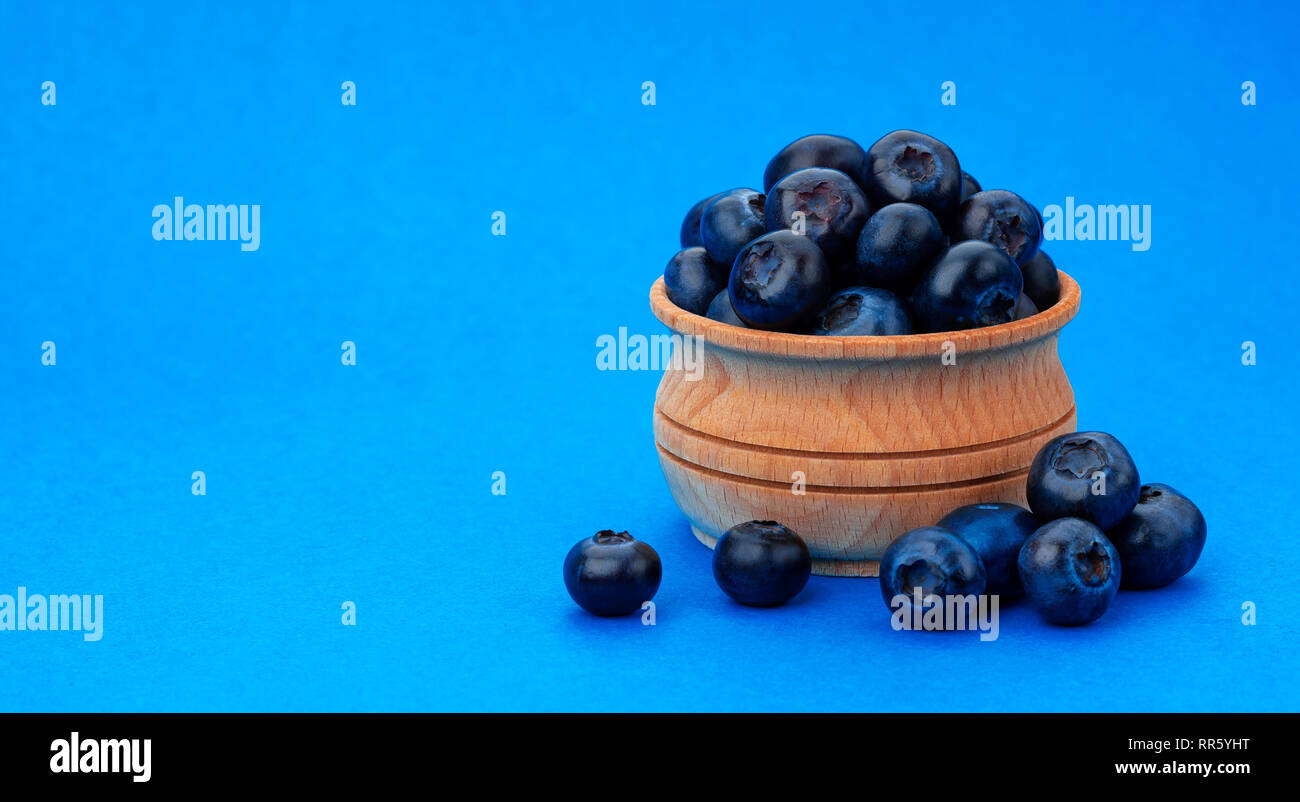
832 207
911 167
974 284
969 186
1001 218
761 563
693 280
1042 284
819 150
722 311
1160 540
1025 307
933 560
997 531
729 222
897 245
1087 475
778 281
612 573
862 312
690 236
1070 571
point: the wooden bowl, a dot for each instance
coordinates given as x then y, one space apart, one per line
886 435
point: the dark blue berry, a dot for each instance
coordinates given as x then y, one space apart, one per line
690 236
832 208
1025 307
969 186
761 563
862 311
779 280
1070 571
818 150
1001 218
731 221
897 245
1042 284
996 531
1160 540
612 573
693 280
1087 475
722 311
931 561
974 284
911 167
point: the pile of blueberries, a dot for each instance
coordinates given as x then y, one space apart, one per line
895 239
1093 529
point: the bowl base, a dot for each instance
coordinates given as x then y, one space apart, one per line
864 568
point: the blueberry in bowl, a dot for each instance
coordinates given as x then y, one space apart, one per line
612 573
832 208
911 167
930 561
974 284
1070 571
818 150
690 234
1160 540
1025 307
761 563
997 531
862 312
897 245
1087 475
733 219
779 280
722 311
693 279
1001 218
1042 284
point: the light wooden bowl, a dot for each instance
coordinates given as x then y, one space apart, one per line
887 437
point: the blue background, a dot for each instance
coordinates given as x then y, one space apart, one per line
476 353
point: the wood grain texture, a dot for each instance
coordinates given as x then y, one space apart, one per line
886 435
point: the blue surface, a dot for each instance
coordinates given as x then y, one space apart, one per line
476 353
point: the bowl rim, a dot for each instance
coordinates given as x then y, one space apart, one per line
784 344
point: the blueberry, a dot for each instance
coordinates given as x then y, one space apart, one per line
690 235
969 186
1070 571
934 560
818 150
1087 475
1161 539
693 279
911 167
1002 218
996 531
974 284
612 573
779 280
897 245
729 222
1025 307
862 311
833 208
1042 284
761 563
722 311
